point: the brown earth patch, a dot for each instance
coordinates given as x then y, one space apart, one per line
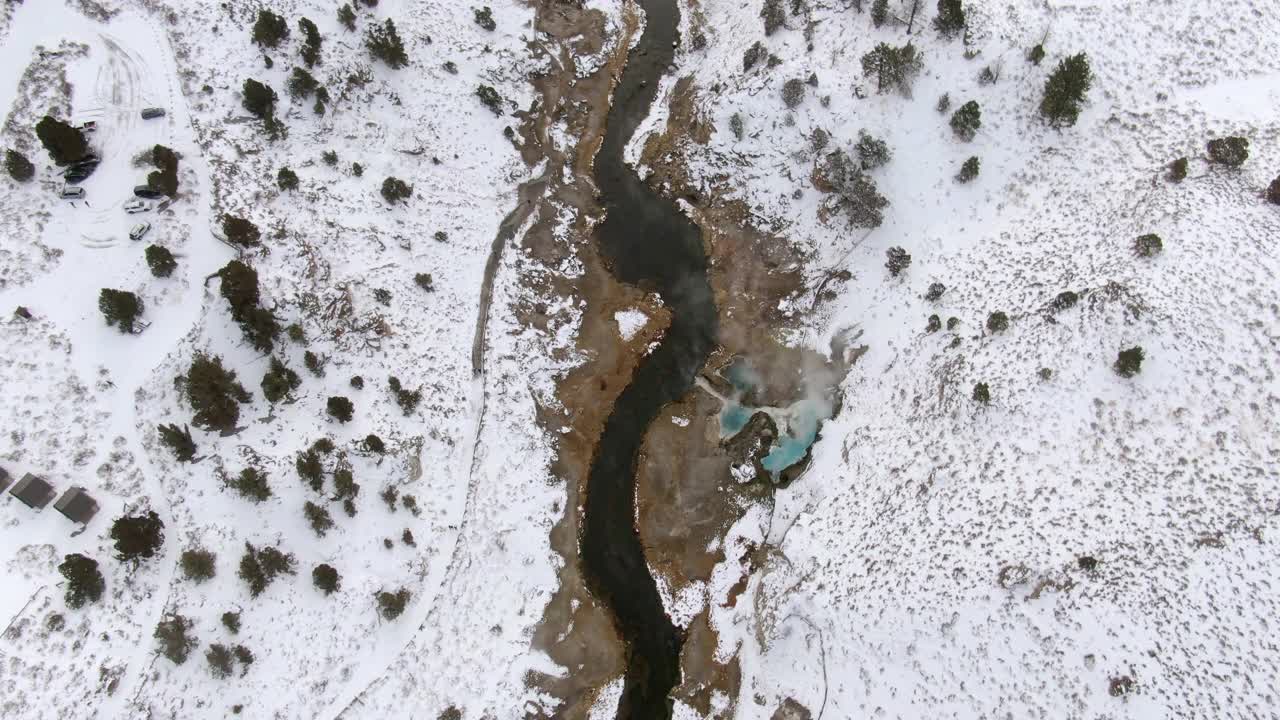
576 632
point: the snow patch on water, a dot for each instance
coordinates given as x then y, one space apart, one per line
630 322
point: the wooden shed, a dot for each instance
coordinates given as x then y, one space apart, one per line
33 491
77 506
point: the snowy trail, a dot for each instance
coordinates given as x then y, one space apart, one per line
529 193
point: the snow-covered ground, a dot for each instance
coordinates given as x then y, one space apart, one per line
928 564
884 597
86 399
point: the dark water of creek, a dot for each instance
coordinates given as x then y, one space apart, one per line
646 241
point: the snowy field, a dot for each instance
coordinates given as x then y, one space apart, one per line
340 262
1083 546
931 563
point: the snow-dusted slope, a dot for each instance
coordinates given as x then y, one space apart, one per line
471 453
934 565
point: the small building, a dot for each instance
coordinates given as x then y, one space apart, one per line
5 479
33 491
77 506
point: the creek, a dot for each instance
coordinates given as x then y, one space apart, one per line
646 241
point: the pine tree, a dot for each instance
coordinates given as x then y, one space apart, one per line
240 231
384 44
1129 362
165 178
490 98
774 16
261 329
484 18
326 578
395 190
239 288
1065 300
1148 245
855 193
893 67
872 152
160 260
966 121
1065 89
311 45
66 144
310 469
214 393
391 605
231 621
198 564
879 12
252 484
339 408
969 170
279 381
270 29
318 517
347 17
1229 151
301 84
175 642
259 567
1273 191
897 261
344 485
220 660
244 656
997 322
287 179
950 20
981 393
259 99
137 537
84 580
120 308
179 441
19 167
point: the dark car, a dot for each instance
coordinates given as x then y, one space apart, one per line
152 112
148 192
76 175
89 158
81 168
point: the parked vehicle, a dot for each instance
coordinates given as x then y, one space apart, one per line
139 326
139 230
152 112
81 169
148 192
72 192
89 126
135 206
77 175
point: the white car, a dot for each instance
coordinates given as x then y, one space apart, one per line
135 206
71 192
139 231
